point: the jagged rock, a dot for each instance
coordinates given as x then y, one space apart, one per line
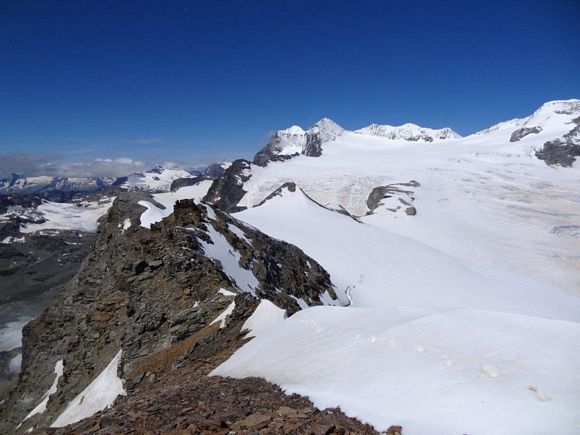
562 151
523 132
558 152
227 190
185 182
210 173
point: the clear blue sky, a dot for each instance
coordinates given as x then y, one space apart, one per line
199 80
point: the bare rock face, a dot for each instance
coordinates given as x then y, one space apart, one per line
523 132
394 197
228 189
210 173
154 294
562 151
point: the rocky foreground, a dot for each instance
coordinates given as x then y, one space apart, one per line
154 295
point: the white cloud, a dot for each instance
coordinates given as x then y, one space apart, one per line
32 165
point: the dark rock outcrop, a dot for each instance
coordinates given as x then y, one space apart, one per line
210 173
227 190
185 182
399 192
266 155
523 132
559 152
562 151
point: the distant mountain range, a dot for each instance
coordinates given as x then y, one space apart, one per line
158 179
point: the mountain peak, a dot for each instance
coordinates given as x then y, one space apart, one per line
550 114
291 131
409 132
293 141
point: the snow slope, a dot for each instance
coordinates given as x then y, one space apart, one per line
41 407
220 249
98 395
167 199
444 372
377 267
482 198
82 216
266 315
429 343
158 179
464 318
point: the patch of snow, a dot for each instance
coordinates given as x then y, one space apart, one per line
14 365
222 318
221 250
11 334
264 317
98 395
126 225
41 407
326 299
155 214
12 239
238 232
80 216
301 302
227 293
210 212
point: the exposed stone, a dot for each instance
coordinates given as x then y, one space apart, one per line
395 194
523 132
562 151
227 190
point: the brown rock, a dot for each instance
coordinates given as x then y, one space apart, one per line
255 421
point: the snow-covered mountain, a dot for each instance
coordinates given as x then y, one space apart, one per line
437 274
408 132
294 141
552 117
43 184
158 179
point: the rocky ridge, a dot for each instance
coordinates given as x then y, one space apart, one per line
155 294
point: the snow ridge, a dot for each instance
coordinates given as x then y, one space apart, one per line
408 132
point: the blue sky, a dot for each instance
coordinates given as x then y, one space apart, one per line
195 81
